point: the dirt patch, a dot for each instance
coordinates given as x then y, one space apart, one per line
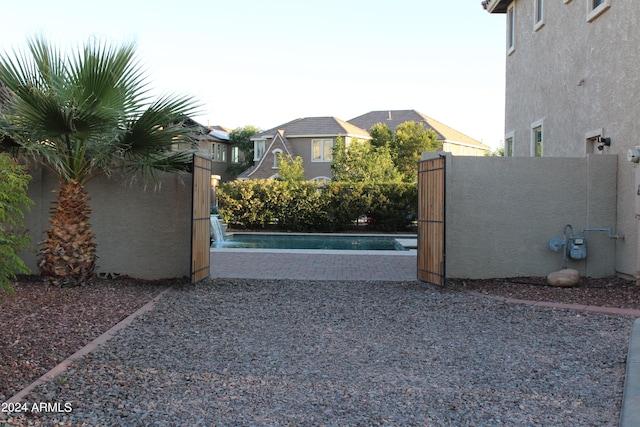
608 292
43 325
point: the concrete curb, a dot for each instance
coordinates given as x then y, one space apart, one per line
630 412
93 345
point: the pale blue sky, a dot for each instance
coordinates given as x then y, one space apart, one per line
265 63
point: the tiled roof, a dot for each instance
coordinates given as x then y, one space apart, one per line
393 118
315 126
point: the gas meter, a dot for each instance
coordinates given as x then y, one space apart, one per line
577 247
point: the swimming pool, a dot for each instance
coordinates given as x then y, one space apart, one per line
310 241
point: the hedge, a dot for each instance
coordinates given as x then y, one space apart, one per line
306 206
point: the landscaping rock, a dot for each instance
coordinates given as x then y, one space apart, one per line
564 278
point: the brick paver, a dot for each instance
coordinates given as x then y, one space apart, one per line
313 265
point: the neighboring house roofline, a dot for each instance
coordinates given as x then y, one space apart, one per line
496 6
393 118
285 144
310 127
329 135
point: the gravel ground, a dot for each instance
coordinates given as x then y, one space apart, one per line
256 352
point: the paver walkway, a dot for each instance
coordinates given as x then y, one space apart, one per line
314 265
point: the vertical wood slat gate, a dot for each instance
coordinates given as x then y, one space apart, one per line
200 219
431 220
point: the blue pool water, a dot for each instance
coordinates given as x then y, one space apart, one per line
303 241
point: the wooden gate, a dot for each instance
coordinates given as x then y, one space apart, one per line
200 219
431 220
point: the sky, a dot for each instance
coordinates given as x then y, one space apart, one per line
265 63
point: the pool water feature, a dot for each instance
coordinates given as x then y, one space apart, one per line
310 241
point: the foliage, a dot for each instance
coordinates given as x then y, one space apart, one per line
381 135
388 206
362 162
394 207
241 138
305 206
291 169
14 181
82 115
498 152
347 201
245 204
409 141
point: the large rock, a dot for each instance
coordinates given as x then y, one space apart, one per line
564 278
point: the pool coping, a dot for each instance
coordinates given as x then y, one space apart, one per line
407 240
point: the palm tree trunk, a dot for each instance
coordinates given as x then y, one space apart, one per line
68 252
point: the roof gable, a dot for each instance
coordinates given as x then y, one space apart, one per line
315 126
263 169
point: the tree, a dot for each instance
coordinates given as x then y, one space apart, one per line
381 135
361 162
291 169
241 138
83 115
409 141
14 180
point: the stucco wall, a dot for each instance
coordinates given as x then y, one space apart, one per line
142 229
502 212
580 79
302 147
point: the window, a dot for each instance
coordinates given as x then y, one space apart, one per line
276 158
218 152
596 8
536 139
258 149
539 15
511 29
235 154
508 145
321 150
321 180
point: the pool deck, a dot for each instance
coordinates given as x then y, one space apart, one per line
314 264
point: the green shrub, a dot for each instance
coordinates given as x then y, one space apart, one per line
304 206
393 207
346 203
14 181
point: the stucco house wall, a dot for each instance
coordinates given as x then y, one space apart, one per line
579 80
501 213
142 229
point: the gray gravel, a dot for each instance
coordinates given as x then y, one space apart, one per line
257 352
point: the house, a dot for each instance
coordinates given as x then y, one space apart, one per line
311 138
212 142
572 90
453 142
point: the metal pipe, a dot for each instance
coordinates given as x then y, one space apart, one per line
608 230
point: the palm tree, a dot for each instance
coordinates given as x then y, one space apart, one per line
83 115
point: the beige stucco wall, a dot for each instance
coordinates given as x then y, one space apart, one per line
462 150
502 212
302 147
142 229
580 79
